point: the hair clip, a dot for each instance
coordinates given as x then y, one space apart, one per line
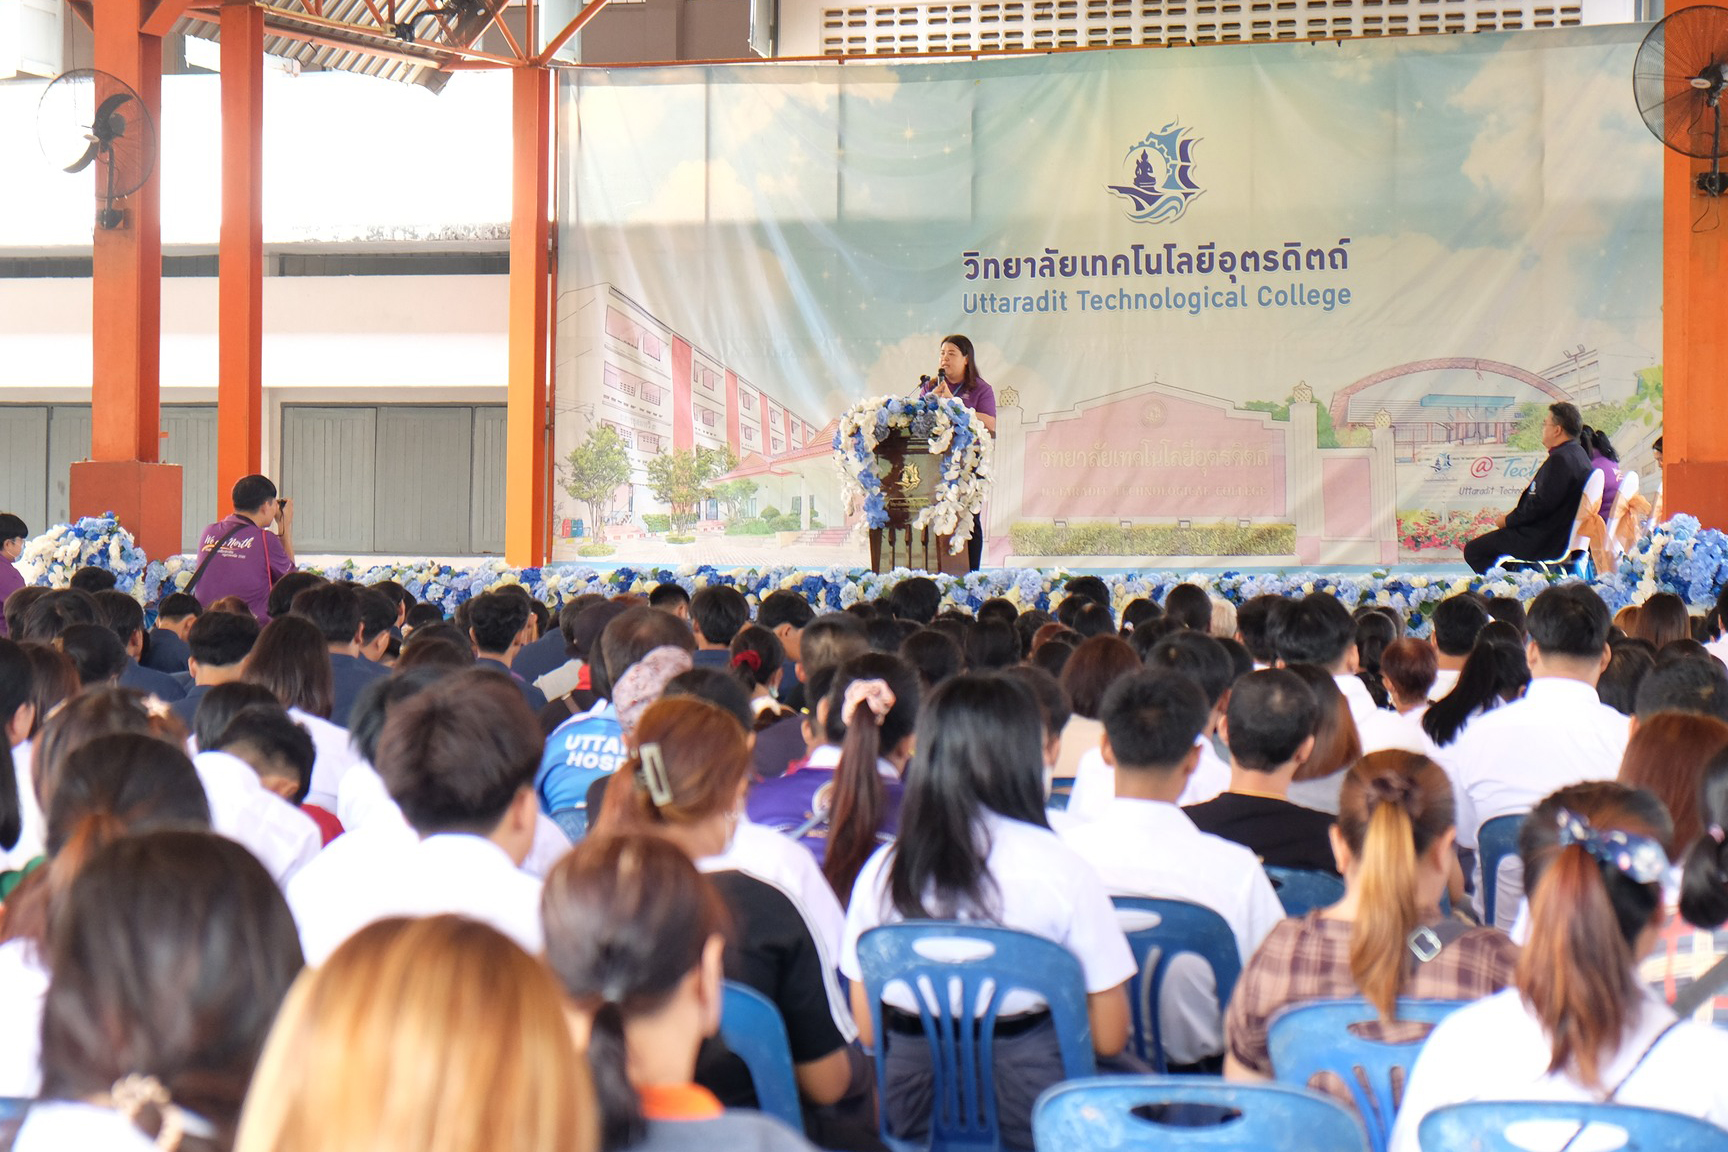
653 773
1714 832
132 1093
1638 858
156 707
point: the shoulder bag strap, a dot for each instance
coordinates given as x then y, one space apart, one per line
198 572
1693 996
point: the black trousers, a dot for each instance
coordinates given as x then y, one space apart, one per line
1482 552
975 546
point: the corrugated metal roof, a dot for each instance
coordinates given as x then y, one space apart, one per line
343 36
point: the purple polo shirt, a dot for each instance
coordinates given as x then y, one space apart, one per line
247 565
981 398
10 582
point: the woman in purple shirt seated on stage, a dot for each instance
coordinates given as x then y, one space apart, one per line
957 364
13 533
1605 460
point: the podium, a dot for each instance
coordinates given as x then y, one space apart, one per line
909 472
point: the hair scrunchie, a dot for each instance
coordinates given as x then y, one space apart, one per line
1638 858
749 658
872 694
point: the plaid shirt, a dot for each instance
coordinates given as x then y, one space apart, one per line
1308 958
1682 954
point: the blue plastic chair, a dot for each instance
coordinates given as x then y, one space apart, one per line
1175 926
752 1028
1301 890
1496 840
1109 1114
1309 1039
972 966
1484 1125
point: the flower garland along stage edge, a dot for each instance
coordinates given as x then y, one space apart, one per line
956 436
1678 556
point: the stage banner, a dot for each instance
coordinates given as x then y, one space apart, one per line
1269 304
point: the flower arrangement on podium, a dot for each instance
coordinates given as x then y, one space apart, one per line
956 436
90 542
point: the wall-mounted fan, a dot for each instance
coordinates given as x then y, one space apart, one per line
90 118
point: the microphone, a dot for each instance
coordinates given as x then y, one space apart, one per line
941 376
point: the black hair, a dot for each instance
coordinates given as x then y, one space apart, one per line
1241 662
1687 685
377 614
860 802
372 706
1152 719
1316 629
1198 657
1704 867
886 632
54 612
1189 604
495 619
122 615
220 704
334 608
177 605
1139 609
12 528
916 599
757 656
250 493
92 579
964 346
992 644
1052 701
1026 627
934 656
400 598
1091 587
222 639
292 660
1630 661
1052 656
980 750
1070 607
1457 621
667 594
456 755
1569 621
1094 620
17 688
95 651
718 611
1494 673
422 614
282 593
1253 617
784 606
716 687
1567 418
1271 712
264 735
998 608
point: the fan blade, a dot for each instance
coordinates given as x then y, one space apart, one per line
105 112
83 161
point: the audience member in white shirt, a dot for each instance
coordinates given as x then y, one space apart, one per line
255 770
973 845
1319 630
1407 669
1204 661
1494 674
1142 844
1456 622
459 759
1337 744
20 817
1559 733
292 659
1579 1026
117 784
173 951
1252 620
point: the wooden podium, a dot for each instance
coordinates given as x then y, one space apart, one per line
909 472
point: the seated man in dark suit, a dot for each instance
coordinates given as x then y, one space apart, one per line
1541 525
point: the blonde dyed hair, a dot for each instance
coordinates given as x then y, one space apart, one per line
435 1035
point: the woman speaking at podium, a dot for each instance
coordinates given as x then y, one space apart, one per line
958 377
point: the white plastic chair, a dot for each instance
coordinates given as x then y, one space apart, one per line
1576 554
1628 489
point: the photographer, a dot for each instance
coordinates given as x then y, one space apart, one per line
238 557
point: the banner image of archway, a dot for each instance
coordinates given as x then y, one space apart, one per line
1255 304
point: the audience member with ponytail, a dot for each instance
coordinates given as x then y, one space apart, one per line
110 786
1579 1026
844 800
759 663
1494 673
1386 938
171 955
974 844
685 782
637 937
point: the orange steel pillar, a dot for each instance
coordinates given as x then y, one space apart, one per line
1694 347
240 356
528 430
123 474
